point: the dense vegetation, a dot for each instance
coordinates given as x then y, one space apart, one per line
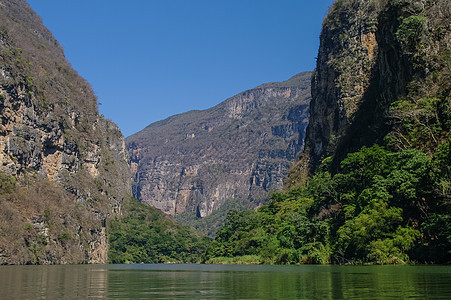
146 235
209 225
379 160
380 207
379 204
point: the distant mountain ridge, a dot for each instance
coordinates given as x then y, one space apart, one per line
239 149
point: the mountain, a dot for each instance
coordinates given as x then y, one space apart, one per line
239 150
65 182
372 184
63 166
372 55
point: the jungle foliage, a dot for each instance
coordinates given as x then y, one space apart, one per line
144 234
380 207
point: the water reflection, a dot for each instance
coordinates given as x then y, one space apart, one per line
53 282
224 282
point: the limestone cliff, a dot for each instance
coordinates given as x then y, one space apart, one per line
63 167
374 53
240 149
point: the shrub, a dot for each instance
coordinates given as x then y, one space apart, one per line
409 32
7 183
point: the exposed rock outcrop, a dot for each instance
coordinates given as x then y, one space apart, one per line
373 53
239 149
68 164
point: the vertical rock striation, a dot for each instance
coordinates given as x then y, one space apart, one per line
372 53
69 164
239 149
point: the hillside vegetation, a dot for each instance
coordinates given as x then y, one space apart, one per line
145 234
63 166
64 175
380 207
373 184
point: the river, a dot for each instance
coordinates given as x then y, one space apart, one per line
224 282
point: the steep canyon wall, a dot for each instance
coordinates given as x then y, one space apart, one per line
239 149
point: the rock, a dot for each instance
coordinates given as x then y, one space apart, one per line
70 163
365 63
239 149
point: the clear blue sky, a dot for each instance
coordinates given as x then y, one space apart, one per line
149 59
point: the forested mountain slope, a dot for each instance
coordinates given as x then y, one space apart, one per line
373 184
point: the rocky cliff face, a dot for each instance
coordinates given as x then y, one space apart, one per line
373 53
239 149
63 167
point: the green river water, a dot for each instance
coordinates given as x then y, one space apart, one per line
224 282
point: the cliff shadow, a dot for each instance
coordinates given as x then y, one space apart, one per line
389 79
